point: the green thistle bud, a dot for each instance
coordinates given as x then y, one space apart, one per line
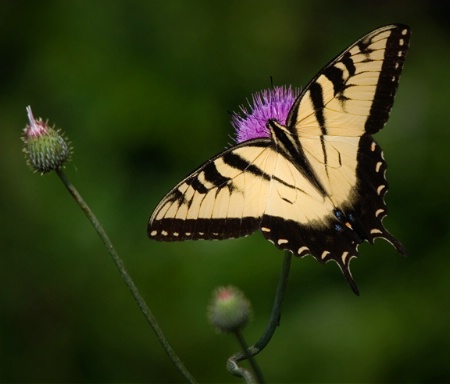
229 310
45 148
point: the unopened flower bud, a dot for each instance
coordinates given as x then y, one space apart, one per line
229 310
45 148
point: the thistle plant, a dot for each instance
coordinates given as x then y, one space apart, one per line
229 312
46 149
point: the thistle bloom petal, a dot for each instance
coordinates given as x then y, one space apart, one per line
273 103
45 148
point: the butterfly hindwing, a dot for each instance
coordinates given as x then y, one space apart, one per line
302 217
372 186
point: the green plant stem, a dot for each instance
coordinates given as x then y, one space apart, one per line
232 363
249 378
126 278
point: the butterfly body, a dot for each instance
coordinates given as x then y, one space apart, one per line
316 185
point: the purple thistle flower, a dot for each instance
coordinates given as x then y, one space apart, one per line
273 103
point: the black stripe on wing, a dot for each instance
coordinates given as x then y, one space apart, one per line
238 162
336 75
394 58
213 176
170 229
288 146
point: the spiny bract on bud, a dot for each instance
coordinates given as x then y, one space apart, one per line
274 103
229 310
45 148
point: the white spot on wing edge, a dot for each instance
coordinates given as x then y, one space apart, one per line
164 233
373 146
378 166
153 233
344 257
375 231
379 212
380 189
324 254
282 241
303 249
265 229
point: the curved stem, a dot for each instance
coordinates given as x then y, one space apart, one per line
274 321
247 375
126 277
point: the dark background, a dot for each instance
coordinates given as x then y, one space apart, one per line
143 91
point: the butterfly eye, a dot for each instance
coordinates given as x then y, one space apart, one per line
338 227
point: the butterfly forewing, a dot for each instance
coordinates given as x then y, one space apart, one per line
224 198
354 93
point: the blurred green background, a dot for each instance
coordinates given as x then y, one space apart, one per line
143 90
